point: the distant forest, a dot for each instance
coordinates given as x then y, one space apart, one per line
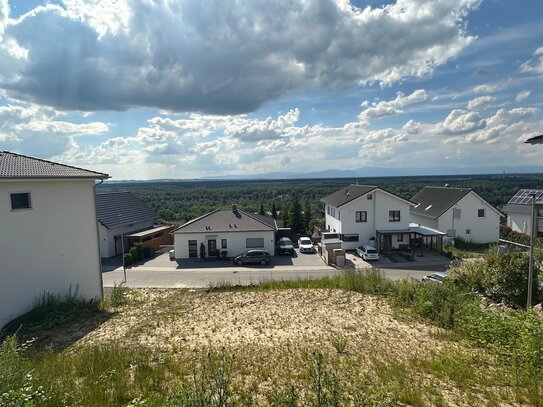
180 201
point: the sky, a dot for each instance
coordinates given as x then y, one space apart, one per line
144 89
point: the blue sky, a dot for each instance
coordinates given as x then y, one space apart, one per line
182 89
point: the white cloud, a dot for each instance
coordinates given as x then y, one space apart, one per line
391 107
525 94
486 88
534 65
461 121
481 102
184 55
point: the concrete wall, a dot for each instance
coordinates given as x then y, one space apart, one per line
519 222
236 242
377 210
49 248
107 240
483 230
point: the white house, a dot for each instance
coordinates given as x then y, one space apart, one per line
232 230
367 214
123 212
48 233
519 211
458 212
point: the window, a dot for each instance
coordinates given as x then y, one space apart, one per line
399 237
457 213
338 214
393 216
350 238
327 210
223 244
361 216
20 201
193 248
252 242
468 231
370 197
480 213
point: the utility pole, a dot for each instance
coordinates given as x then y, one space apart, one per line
532 241
122 248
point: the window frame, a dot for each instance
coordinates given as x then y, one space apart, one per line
479 213
399 237
196 250
224 244
28 208
392 216
362 218
247 239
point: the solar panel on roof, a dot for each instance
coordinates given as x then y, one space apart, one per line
524 196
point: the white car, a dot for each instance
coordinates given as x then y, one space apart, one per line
434 278
367 252
306 245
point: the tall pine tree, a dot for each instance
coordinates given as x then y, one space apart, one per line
262 209
274 211
296 218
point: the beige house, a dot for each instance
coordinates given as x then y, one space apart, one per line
48 233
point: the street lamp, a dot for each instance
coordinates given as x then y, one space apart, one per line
535 140
122 248
531 266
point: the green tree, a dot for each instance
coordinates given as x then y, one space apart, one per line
262 209
307 216
274 211
296 217
202 251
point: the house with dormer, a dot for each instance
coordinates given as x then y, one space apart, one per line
224 230
367 214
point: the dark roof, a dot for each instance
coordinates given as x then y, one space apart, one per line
521 202
535 140
275 223
21 166
435 201
347 194
110 205
226 220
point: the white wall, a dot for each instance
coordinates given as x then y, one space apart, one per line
50 247
518 221
377 210
107 237
483 230
424 220
235 241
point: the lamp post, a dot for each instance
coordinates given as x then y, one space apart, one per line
531 265
122 248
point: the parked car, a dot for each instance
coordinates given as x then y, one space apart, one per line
285 246
367 252
253 257
306 245
434 278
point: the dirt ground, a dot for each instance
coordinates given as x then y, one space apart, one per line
167 320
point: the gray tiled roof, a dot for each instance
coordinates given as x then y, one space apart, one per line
224 221
347 194
109 205
435 201
21 166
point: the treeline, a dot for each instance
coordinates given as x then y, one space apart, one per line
180 201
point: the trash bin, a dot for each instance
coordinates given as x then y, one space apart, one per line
339 254
172 255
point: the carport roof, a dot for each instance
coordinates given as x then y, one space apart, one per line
229 220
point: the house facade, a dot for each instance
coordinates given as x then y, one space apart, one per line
233 231
519 211
123 214
457 212
367 214
49 239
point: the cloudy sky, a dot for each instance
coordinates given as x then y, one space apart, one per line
150 89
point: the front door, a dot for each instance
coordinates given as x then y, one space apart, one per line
387 243
212 248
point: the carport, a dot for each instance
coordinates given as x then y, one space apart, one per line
419 236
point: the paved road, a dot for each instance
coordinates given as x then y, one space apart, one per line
155 277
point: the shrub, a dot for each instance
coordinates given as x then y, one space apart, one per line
139 251
339 342
128 260
118 295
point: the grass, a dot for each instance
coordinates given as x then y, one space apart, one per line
490 357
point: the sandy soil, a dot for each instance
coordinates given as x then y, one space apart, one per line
166 320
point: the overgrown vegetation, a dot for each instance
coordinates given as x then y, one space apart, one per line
492 355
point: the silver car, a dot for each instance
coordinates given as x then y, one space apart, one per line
367 252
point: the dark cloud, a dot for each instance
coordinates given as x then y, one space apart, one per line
218 58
